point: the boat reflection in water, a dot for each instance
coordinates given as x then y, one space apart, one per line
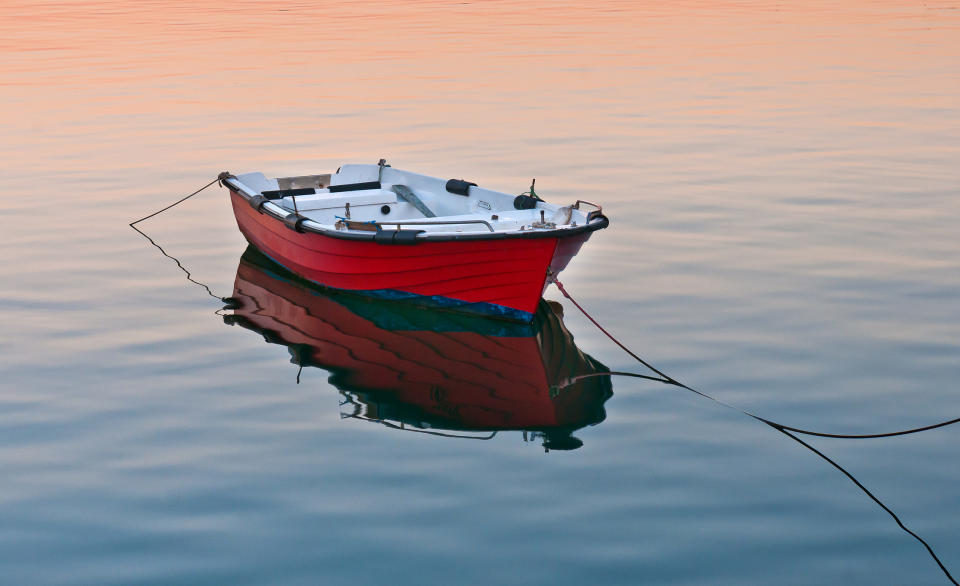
428 371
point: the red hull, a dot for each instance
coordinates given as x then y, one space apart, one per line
510 273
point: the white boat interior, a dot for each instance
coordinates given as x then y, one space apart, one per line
363 198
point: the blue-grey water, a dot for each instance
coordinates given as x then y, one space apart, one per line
782 182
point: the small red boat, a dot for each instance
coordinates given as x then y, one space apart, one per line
434 372
396 234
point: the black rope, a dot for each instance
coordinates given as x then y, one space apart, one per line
182 268
946 572
666 379
173 258
178 202
784 429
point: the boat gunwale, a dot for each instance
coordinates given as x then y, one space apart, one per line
304 225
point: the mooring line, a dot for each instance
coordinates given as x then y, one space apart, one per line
178 202
667 379
784 429
867 492
182 268
173 258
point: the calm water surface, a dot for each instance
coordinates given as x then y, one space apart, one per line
783 187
